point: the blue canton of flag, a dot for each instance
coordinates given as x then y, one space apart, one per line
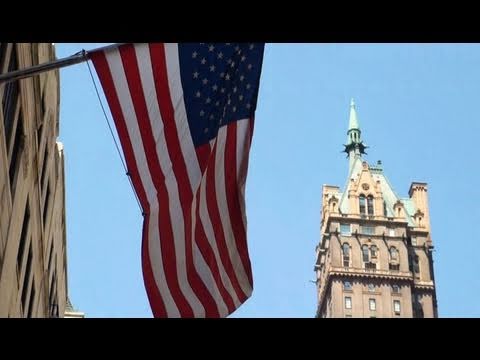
220 83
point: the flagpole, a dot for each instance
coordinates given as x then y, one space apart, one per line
77 58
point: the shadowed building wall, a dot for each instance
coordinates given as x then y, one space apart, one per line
33 261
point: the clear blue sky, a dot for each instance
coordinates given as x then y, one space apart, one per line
418 106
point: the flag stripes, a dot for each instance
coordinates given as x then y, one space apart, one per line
194 250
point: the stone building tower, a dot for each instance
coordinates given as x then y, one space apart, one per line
374 258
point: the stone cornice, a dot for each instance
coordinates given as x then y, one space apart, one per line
334 272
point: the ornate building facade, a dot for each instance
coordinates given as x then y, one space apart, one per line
33 260
374 258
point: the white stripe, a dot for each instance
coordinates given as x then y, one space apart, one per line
180 113
243 146
175 208
203 269
125 101
210 234
224 212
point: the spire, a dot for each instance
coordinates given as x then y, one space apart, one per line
353 123
354 147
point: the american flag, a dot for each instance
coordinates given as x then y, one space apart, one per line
184 114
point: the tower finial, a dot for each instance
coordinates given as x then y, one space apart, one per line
354 147
353 123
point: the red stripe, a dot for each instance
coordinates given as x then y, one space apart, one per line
105 76
209 255
231 190
203 154
214 214
251 124
165 222
159 67
156 302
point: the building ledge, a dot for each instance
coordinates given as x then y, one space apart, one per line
370 273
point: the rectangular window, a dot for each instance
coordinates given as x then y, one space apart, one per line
10 98
16 152
348 302
367 230
396 306
370 266
345 229
372 304
26 279
23 236
394 267
391 232
32 299
346 261
414 240
348 315
46 205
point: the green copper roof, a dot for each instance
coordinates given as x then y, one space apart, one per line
354 139
353 123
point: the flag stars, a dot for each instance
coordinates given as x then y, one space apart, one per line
211 48
217 103
234 109
229 61
232 64
220 55
208 100
203 61
222 75
227 77
198 94
243 58
195 75
240 98
251 46
205 81
234 89
212 68
237 48
202 112
194 55
242 77
248 106
215 87
249 66
206 130
211 117
248 86
222 90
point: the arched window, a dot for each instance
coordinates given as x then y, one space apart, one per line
346 254
393 253
416 265
365 254
370 204
362 204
